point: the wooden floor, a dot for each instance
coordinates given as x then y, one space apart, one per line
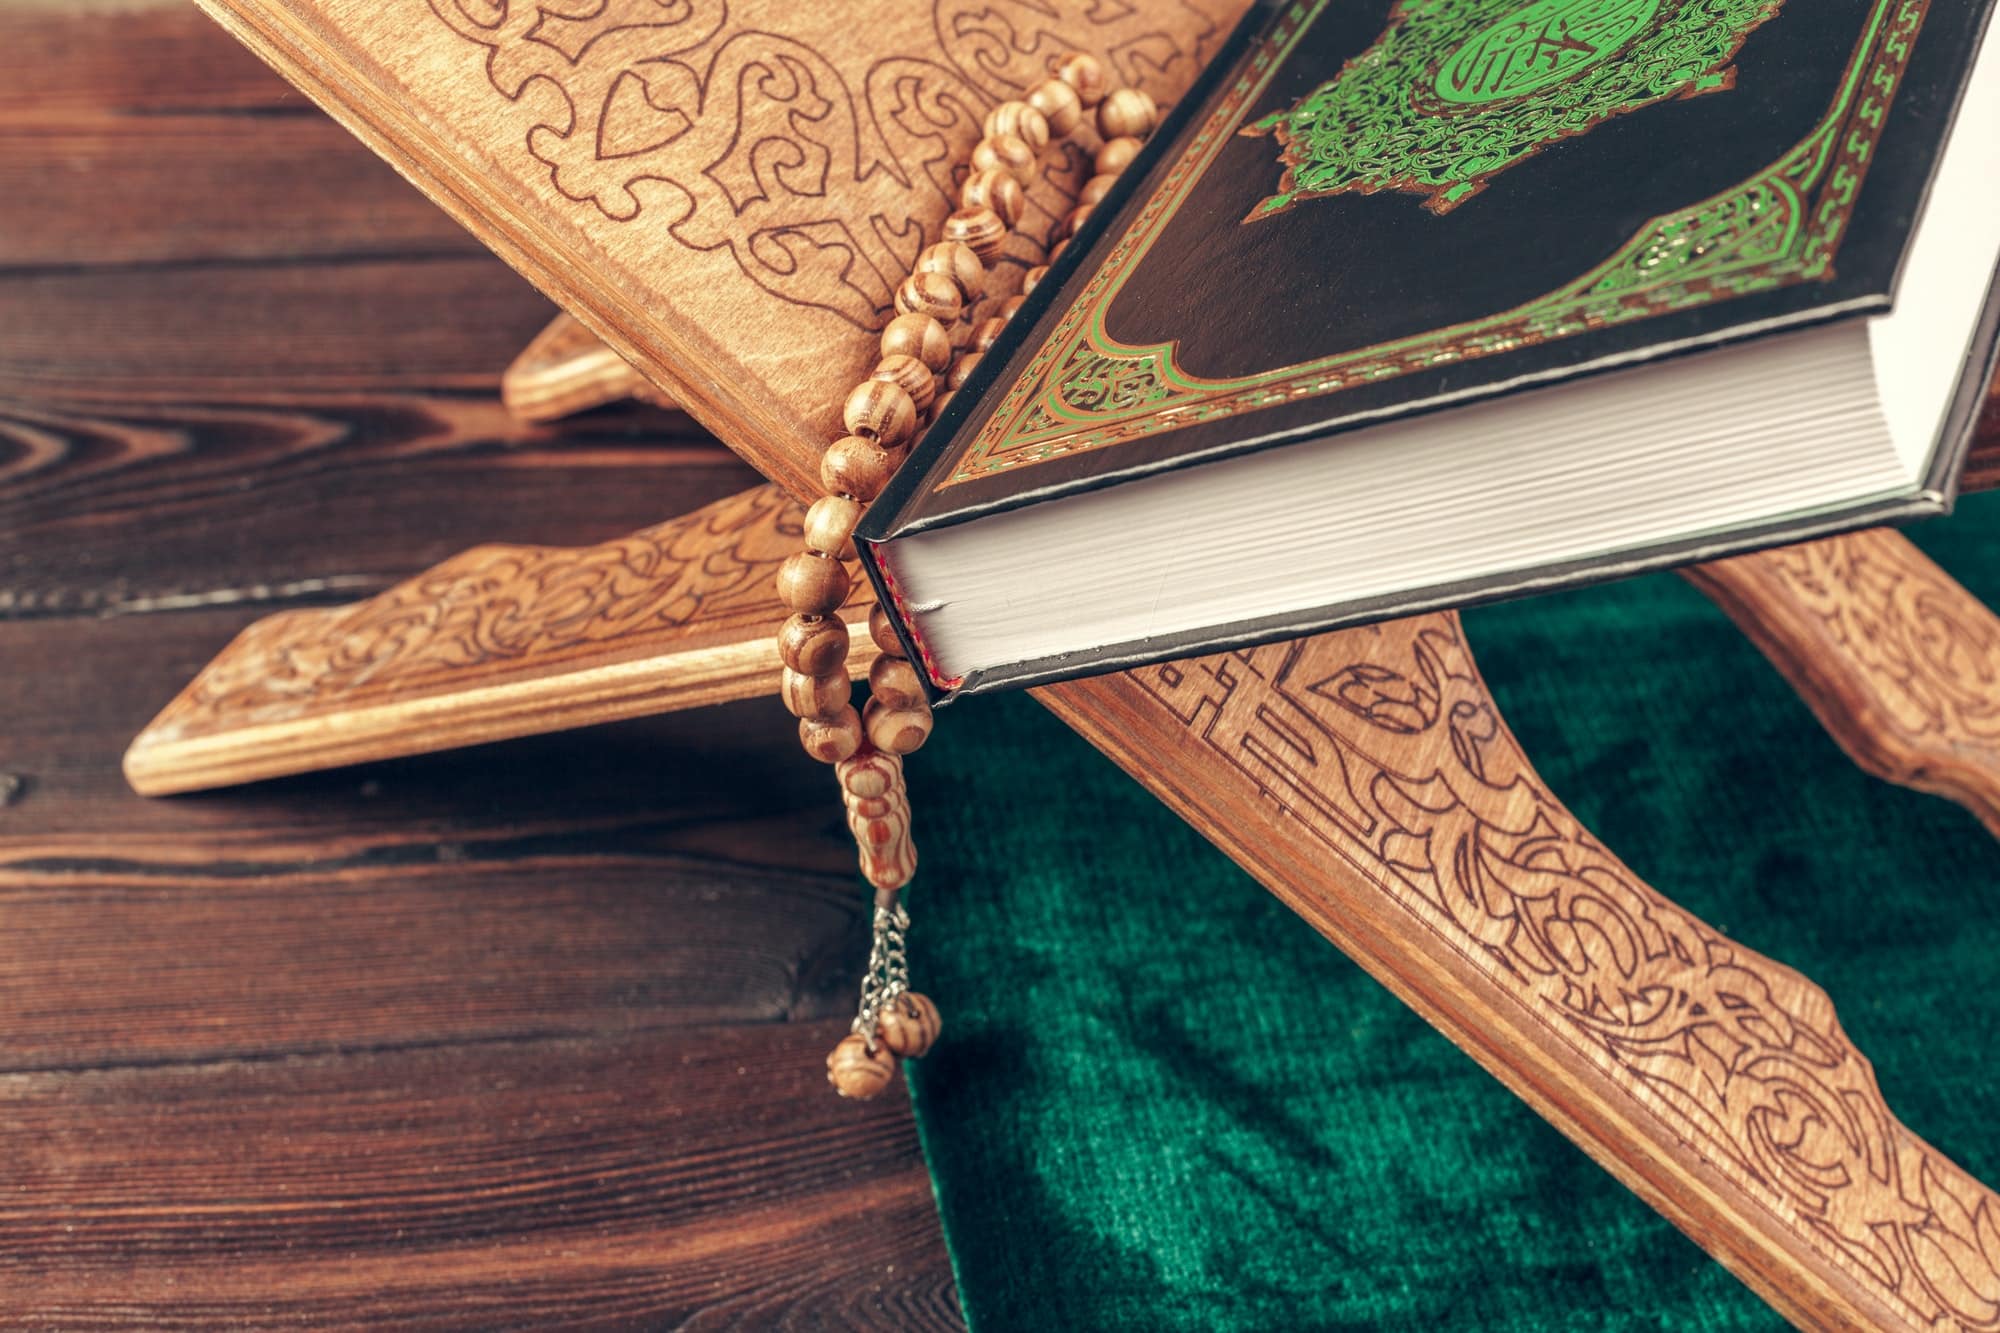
524 1036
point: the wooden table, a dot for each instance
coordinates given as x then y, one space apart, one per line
524 1035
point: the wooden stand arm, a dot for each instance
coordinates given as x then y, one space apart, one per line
497 642
1900 664
568 369
1367 779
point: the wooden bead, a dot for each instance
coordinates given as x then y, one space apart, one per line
919 336
1033 278
1116 154
938 407
1084 73
818 697
1056 250
1022 121
1059 105
831 739
955 261
883 631
831 519
962 371
1010 153
895 682
881 411
896 730
995 188
1074 220
857 467
908 1025
1095 189
815 644
910 375
812 585
1011 307
868 780
979 228
930 294
1126 114
857 1072
985 331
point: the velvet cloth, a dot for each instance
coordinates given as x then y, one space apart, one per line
1163 1102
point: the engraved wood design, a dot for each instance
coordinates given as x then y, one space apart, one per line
499 641
726 193
1364 776
1900 663
1367 779
568 369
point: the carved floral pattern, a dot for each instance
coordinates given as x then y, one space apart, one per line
1384 748
493 608
791 143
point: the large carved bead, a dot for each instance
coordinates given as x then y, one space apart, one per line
909 1024
857 1072
878 815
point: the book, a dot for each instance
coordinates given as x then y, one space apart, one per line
727 194
1418 304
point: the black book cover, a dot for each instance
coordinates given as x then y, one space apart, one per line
1365 210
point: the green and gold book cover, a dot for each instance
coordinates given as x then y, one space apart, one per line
1372 209
1381 205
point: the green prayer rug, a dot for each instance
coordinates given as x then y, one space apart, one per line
1163 1102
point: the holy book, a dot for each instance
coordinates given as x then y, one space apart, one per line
1420 304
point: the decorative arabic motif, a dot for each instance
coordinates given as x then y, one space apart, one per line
777 132
1085 390
496 606
1448 97
1383 747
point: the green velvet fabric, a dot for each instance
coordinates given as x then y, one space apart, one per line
1163 1102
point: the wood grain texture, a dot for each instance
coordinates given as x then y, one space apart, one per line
1367 779
1900 664
726 195
499 641
520 1035
567 369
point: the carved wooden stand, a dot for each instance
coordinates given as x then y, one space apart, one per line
1367 779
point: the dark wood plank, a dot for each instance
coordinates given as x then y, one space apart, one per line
119 508
60 59
193 186
695 1178
527 1036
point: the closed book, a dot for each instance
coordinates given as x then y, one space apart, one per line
1417 305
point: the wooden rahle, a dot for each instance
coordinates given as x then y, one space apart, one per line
1365 777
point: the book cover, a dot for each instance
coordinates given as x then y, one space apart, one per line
1380 209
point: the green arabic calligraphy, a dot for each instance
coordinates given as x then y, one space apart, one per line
1453 93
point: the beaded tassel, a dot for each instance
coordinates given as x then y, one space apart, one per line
882 415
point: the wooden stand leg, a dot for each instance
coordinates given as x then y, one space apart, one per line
497 642
1365 777
567 369
1899 662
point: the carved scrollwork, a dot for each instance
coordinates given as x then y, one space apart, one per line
1383 748
782 133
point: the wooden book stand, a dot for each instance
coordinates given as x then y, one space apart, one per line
1368 780
1365 777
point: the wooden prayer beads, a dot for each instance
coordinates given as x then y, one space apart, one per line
908 1023
881 415
857 1069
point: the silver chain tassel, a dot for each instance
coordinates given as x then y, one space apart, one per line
888 973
